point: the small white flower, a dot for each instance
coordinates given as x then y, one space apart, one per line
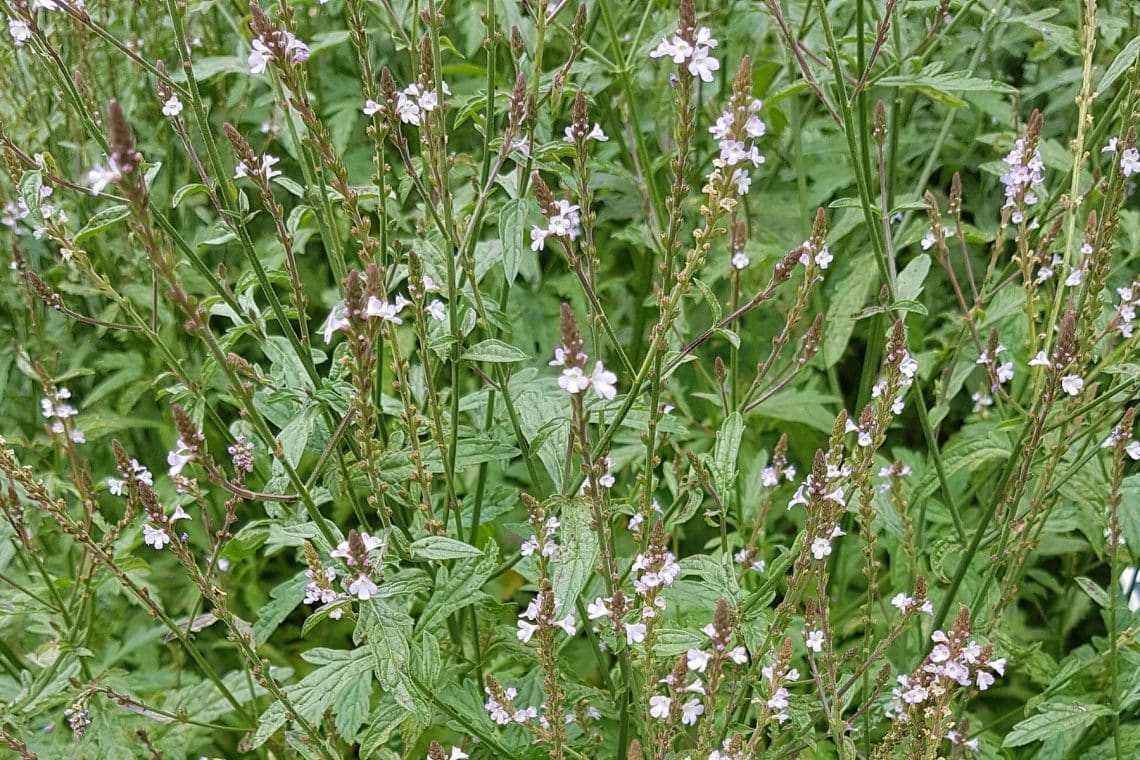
703 65
335 322
1039 360
659 706
1130 162
820 548
691 711
1072 384
604 382
384 310
538 237
371 107
1110 147
597 609
100 176
738 655
437 310
172 107
634 633
363 588
697 659
259 57
573 381
739 260
902 601
815 641
156 537
19 30
526 631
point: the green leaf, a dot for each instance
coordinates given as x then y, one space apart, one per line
441 547
101 221
455 587
340 683
387 630
578 553
1094 591
802 407
283 599
1124 59
910 279
512 222
857 281
939 86
184 192
496 351
725 452
1054 719
382 723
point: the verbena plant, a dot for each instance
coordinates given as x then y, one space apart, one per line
625 380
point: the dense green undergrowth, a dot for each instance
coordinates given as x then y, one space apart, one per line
505 379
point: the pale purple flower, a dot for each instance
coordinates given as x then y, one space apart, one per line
691 711
815 641
604 382
1072 384
172 107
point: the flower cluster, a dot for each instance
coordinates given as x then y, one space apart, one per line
1024 175
954 661
932 237
564 220
241 454
339 320
777 677
664 707
159 527
1126 309
501 708
735 131
1001 372
412 103
690 49
177 458
815 254
613 608
542 542
321 588
827 487
573 134
263 171
356 551
542 613
574 378
654 569
56 408
606 479
277 46
1129 157
139 472
904 602
78 718
892 472
1118 434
